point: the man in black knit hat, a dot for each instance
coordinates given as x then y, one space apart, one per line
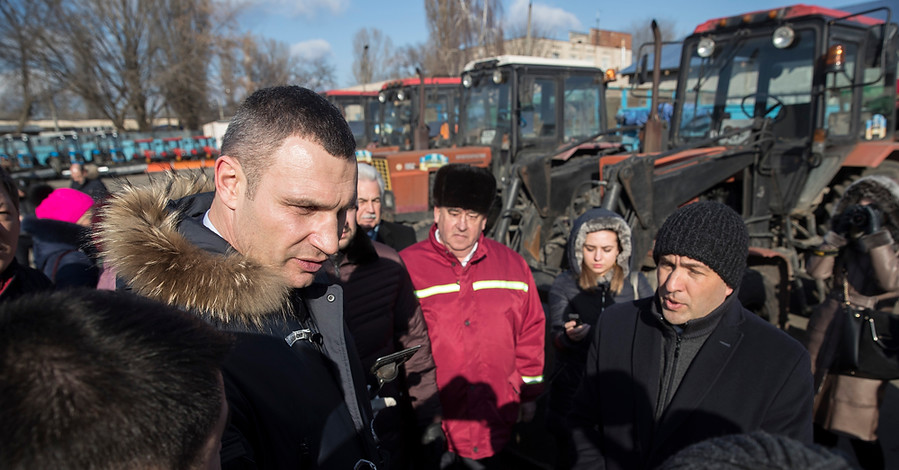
689 363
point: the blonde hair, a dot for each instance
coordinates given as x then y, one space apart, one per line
588 280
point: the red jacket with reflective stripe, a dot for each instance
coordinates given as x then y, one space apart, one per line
487 327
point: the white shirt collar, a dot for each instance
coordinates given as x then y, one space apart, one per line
467 258
208 224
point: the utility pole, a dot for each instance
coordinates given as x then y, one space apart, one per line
366 67
527 40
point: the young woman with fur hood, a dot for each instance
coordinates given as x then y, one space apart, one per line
860 255
599 251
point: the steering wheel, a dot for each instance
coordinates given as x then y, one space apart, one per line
697 123
777 104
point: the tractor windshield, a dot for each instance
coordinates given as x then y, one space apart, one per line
745 78
487 114
397 124
441 108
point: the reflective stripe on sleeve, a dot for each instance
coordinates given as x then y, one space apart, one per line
533 380
512 285
434 290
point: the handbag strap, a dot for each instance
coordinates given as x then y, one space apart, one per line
56 264
845 288
863 314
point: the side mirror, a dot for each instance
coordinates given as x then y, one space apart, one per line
643 70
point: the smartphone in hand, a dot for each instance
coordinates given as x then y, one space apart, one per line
575 318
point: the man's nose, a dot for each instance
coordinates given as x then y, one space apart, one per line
673 282
326 235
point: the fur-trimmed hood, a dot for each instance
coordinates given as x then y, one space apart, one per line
153 237
594 220
883 191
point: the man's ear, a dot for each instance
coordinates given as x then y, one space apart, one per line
230 182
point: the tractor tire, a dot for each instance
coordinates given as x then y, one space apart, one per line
886 168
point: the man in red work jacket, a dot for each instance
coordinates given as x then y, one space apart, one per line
484 318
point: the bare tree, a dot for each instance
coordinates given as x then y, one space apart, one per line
268 62
20 57
316 74
106 57
522 39
408 58
641 32
374 56
461 30
183 33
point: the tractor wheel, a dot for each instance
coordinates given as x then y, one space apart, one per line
886 168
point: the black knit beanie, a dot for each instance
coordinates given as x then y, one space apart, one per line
464 186
755 451
709 232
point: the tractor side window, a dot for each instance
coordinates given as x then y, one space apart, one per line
538 108
582 108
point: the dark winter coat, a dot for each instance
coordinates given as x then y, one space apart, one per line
566 297
870 266
18 280
292 406
396 236
747 376
62 252
383 315
93 188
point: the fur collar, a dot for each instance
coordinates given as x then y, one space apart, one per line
139 238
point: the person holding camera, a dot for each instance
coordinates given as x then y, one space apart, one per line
599 252
859 254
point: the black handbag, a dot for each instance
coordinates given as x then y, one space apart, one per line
869 343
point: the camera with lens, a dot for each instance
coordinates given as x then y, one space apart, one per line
860 219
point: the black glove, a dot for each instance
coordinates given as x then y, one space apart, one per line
841 225
875 219
433 448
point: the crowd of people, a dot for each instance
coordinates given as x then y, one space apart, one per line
272 318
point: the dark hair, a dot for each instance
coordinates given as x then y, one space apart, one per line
34 196
106 380
271 115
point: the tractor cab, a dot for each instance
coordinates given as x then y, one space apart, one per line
407 122
516 104
360 109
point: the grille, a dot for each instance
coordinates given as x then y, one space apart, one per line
380 164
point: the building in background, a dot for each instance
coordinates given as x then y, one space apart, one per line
606 49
